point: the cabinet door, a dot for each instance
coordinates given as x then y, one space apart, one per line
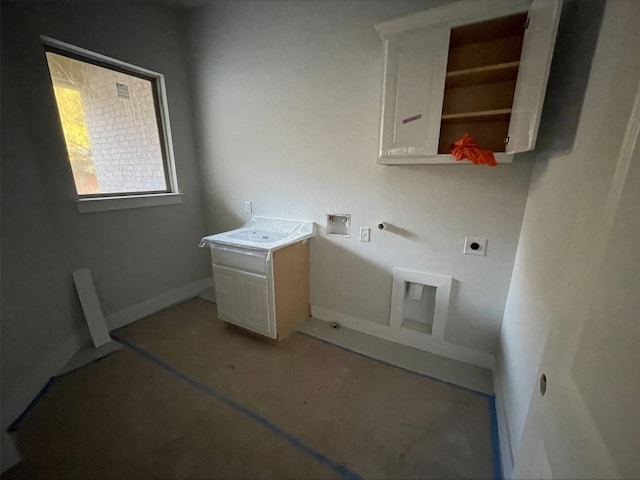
227 295
415 71
255 303
535 61
243 299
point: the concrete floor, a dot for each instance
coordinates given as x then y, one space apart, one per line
190 397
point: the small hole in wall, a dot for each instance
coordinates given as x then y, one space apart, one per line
543 384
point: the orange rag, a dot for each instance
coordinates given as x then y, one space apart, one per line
467 147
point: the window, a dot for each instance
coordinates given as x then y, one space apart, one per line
115 125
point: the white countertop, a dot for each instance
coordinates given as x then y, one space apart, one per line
264 233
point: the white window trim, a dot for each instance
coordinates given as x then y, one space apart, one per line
105 203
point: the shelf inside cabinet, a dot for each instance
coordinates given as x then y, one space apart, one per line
490 52
481 75
478 98
477 117
490 135
482 70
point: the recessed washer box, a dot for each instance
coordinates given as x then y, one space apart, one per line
338 224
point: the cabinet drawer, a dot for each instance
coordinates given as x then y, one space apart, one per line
239 258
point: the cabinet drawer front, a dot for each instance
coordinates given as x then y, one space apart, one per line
239 258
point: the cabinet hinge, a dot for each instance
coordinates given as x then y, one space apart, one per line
506 140
526 23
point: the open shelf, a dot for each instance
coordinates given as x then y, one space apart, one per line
485 74
497 28
478 98
492 52
490 135
477 117
482 70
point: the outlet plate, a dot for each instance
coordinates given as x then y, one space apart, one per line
248 207
475 246
365 234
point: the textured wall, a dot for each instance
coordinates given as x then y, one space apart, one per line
572 165
288 103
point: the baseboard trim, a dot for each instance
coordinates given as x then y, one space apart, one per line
410 338
155 304
504 433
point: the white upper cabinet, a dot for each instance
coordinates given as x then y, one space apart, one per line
477 67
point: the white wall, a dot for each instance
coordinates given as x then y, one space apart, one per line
572 173
134 255
287 98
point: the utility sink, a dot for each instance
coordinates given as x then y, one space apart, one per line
263 233
259 236
261 274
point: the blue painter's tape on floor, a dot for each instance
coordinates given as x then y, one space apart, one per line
413 372
495 441
296 442
16 423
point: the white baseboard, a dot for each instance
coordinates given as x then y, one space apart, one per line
504 433
155 304
411 338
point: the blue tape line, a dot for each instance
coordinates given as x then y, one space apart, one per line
341 469
384 362
495 441
80 367
16 423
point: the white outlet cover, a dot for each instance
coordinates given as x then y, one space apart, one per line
475 246
365 234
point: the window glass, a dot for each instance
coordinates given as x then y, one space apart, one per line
111 128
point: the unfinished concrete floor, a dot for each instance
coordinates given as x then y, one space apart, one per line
190 397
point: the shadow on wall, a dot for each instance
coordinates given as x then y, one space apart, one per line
569 75
222 218
329 260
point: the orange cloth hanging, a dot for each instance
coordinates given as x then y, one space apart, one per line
467 147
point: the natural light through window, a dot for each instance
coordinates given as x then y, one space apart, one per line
111 127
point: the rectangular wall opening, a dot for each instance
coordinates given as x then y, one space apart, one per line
418 307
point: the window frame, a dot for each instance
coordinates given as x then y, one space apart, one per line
116 201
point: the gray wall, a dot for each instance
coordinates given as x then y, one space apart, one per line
135 254
574 163
287 105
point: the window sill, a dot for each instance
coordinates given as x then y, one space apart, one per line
104 204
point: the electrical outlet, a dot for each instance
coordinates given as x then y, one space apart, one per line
365 234
248 208
475 246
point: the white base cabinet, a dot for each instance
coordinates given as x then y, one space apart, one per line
266 292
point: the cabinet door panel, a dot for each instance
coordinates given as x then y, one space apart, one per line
227 295
255 303
415 72
535 61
